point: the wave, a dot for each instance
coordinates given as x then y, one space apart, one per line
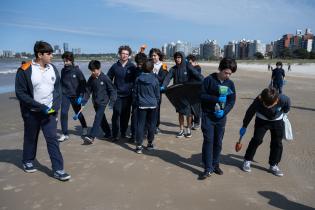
10 71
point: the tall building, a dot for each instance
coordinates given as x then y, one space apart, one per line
229 50
210 50
183 47
254 47
76 51
8 53
65 46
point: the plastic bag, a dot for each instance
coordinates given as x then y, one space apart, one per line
288 134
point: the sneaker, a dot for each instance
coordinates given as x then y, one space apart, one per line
188 134
88 140
84 131
114 138
205 175
217 170
29 167
275 170
150 146
139 149
107 136
157 130
180 134
61 175
196 126
63 137
246 166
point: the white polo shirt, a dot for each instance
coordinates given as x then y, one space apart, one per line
157 67
43 83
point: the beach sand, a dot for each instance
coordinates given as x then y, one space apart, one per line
112 176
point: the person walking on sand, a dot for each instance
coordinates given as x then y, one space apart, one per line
37 87
277 77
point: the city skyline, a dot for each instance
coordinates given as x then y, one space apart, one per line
101 26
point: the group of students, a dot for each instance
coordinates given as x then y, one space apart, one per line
137 90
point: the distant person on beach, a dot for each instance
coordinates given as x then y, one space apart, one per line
180 73
37 87
160 70
123 74
147 96
217 100
196 107
269 107
277 77
269 66
73 88
289 67
103 93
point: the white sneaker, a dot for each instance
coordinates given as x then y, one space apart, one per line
63 138
84 131
246 166
275 170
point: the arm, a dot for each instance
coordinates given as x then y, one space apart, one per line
87 92
205 96
192 71
111 91
82 82
57 92
168 77
111 73
286 104
251 111
230 100
157 91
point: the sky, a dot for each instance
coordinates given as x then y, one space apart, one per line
101 26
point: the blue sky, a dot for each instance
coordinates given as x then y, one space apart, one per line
98 26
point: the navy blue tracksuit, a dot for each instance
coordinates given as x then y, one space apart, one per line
160 76
197 107
34 117
72 86
123 78
102 91
278 75
213 128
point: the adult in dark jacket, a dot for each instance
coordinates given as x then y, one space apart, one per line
181 73
277 77
37 87
217 100
269 108
73 87
123 74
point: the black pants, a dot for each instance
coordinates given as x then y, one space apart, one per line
100 120
276 130
146 120
196 108
121 115
158 110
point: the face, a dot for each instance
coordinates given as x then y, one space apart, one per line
225 74
178 60
45 57
193 63
155 57
278 66
124 55
67 62
96 72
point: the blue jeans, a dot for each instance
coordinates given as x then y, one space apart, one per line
33 122
100 120
65 105
278 85
213 132
146 119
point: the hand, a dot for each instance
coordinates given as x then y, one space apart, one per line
79 100
50 111
222 99
219 113
242 131
162 89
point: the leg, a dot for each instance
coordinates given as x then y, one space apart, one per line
276 142
217 141
99 112
125 114
158 114
181 121
207 146
151 122
76 109
189 120
105 126
141 116
133 120
65 104
116 117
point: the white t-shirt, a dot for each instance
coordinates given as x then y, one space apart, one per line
157 67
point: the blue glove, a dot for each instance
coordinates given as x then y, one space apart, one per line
219 113
162 89
242 131
285 82
222 99
78 100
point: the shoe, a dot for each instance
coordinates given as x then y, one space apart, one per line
63 137
217 170
88 140
107 136
84 131
61 175
205 175
275 170
196 126
180 134
246 166
139 149
157 130
124 136
114 139
150 146
29 167
188 134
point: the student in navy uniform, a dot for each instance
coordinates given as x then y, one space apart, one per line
217 100
160 70
180 73
277 77
147 96
73 87
37 87
197 107
269 108
123 74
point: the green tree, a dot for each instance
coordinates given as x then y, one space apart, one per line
312 55
259 55
301 53
285 53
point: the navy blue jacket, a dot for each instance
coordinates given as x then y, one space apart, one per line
210 95
278 74
147 90
283 106
193 79
25 93
123 77
72 81
182 73
162 73
102 90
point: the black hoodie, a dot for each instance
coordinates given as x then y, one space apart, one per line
147 91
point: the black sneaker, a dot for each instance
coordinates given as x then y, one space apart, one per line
188 134
107 136
180 134
150 146
205 175
114 138
61 175
217 170
139 149
88 140
196 126
29 167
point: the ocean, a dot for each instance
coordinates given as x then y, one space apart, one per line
8 70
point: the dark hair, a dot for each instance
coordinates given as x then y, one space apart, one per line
279 63
269 96
228 63
148 66
94 64
42 47
124 47
68 56
191 57
178 54
158 52
140 58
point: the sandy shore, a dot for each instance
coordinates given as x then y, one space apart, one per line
112 176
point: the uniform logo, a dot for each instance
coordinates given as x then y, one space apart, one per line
102 83
74 76
53 79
